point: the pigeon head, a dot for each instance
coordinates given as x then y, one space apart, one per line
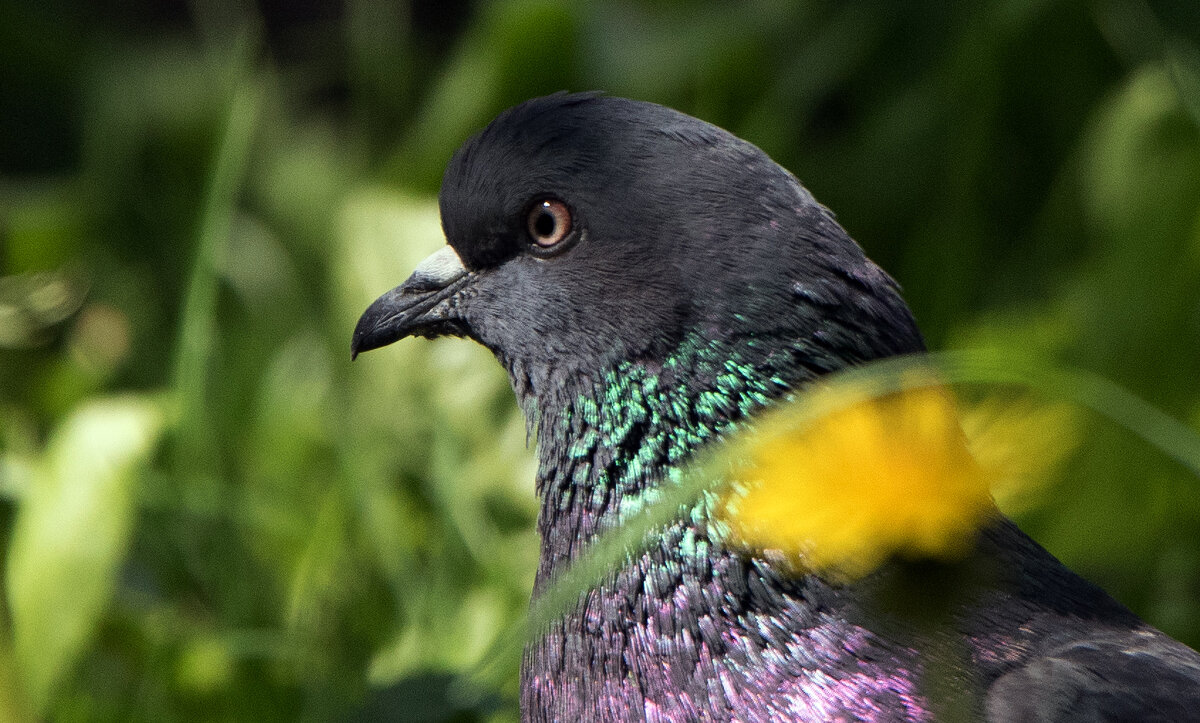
585 232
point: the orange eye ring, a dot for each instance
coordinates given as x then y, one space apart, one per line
548 223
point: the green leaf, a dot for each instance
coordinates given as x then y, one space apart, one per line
1183 62
71 533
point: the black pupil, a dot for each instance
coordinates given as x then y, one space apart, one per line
544 224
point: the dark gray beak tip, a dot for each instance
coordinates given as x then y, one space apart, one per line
373 329
411 307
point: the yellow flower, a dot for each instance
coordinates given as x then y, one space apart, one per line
1020 443
882 477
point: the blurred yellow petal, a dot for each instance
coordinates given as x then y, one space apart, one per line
882 477
1023 443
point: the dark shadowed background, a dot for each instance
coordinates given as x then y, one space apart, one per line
209 513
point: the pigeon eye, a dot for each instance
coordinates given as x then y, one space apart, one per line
549 222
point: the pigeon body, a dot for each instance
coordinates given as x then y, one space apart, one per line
649 280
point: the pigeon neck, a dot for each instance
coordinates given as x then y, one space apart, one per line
610 441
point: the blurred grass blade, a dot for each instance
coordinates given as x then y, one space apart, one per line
1183 61
71 533
197 328
1172 437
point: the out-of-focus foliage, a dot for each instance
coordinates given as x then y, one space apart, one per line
71 534
198 199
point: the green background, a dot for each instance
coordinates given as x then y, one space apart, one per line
209 513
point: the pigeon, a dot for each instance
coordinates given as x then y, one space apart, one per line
649 280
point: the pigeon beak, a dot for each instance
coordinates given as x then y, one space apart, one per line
424 305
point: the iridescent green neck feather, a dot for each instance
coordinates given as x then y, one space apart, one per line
605 449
